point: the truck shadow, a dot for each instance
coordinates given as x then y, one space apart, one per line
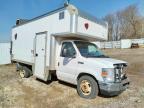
54 78
106 96
67 84
45 82
75 87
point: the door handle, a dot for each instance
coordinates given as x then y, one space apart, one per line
36 54
80 62
58 63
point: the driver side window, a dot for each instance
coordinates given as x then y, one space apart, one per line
67 50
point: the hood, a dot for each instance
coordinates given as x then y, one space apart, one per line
106 62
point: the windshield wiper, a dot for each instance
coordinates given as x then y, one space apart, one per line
102 56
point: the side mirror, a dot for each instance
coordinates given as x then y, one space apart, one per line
65 52
74 55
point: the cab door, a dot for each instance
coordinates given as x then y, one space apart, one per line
67 68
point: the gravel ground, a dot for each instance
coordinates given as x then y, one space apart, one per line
31 93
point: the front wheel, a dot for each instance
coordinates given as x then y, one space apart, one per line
87 87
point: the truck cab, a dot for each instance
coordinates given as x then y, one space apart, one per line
83 64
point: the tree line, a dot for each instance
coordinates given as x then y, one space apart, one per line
125 24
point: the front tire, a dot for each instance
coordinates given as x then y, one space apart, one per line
87 87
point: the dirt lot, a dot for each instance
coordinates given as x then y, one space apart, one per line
30 93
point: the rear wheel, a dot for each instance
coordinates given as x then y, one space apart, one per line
25 72
87 87
18 66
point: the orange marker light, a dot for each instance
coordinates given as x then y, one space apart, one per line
104 74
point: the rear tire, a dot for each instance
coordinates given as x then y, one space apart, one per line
87 87
25 72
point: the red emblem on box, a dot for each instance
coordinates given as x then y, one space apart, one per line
86 25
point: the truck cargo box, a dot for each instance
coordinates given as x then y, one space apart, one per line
64 22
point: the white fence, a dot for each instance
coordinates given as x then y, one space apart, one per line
124 43
112 44
5 53
139 41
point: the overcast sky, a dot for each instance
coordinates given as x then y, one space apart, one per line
10 10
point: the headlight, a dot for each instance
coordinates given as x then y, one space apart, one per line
108 74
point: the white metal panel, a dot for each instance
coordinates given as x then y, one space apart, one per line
139 41
102 45
116 44
126 43
108 45
23 46
91 28
5 57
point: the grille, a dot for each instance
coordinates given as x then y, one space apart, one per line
120 72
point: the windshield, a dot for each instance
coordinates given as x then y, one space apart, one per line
88 49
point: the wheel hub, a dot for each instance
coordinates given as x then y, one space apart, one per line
85 87
22 73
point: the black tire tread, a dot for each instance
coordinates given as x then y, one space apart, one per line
94 84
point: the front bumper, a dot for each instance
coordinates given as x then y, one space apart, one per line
113 89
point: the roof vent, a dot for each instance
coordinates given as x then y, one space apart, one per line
72 9
66 3
21 21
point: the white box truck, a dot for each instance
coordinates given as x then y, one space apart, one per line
60 42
